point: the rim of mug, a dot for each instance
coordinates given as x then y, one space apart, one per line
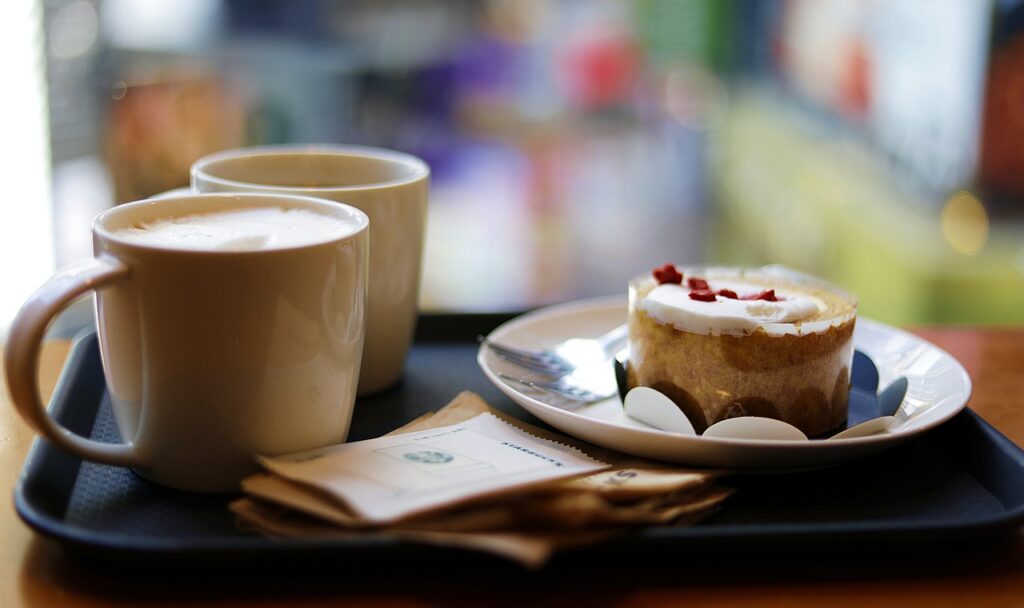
418 168
327 206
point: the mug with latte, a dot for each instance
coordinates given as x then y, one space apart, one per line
229 325
390 187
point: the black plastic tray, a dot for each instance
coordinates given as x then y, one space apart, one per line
963 482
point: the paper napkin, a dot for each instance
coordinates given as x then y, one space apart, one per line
470 476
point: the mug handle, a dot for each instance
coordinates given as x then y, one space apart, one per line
21 356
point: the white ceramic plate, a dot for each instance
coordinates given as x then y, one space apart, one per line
938 388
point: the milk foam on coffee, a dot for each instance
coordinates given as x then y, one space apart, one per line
240 230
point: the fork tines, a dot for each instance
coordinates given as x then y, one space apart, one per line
538 361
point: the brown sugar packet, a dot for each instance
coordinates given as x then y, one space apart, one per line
544 509
567 511
556 514
531 549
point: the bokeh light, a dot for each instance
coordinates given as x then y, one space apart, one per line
965 223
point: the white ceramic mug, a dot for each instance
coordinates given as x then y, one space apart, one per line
390 187
210 356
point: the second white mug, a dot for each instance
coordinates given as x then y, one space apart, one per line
390 187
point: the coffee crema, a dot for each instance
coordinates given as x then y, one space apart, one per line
240 230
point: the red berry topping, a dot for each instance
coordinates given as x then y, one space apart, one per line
667 274
695 283
767 295
703 295
728 293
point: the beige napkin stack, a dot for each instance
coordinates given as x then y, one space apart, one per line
526 525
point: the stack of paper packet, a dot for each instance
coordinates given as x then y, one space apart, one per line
470 476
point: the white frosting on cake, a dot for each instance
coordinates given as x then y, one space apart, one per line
671 304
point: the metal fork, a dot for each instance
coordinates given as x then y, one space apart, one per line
561 387
565 357
586 384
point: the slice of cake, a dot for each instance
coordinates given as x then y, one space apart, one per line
728 342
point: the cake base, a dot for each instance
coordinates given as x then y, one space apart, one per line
801 379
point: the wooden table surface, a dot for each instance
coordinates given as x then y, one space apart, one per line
34 571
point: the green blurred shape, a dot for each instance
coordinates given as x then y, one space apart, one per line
686 31
789 190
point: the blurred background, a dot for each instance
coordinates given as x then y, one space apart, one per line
573 143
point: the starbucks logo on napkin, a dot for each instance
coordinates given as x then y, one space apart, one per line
429 457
